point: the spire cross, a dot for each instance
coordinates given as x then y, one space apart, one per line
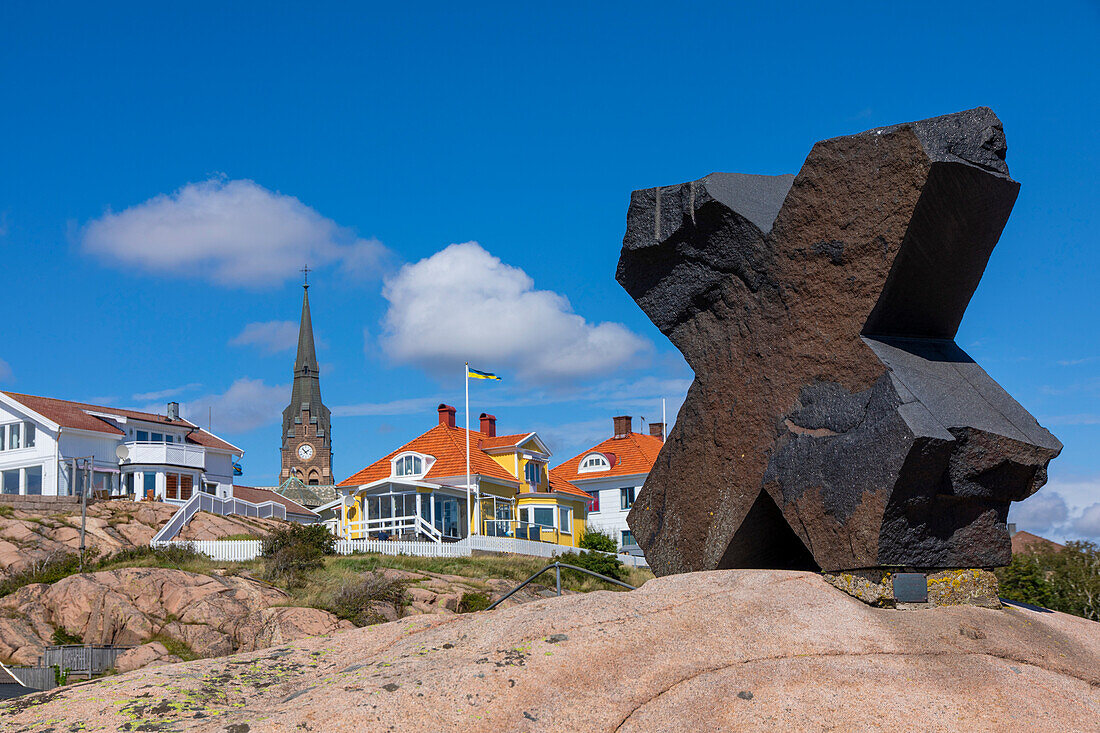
305 272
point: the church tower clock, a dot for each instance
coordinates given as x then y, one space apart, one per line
307 440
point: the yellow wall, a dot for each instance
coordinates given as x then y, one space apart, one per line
578 521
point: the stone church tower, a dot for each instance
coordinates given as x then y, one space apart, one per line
307 442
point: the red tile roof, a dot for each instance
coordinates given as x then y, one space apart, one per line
72 415
257 495
448 446
1028 542
633 454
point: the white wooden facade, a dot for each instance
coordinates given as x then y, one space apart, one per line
147 459
615 495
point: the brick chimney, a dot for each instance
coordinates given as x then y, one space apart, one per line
489 424
447 415
657 430
622 425
173 411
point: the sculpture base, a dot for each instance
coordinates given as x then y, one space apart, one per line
962 587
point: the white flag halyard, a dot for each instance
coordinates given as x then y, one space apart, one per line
469 507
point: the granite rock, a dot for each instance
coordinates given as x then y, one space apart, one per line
833 423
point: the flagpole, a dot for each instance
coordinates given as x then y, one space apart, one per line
469 507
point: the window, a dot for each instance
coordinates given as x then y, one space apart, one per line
156 437
33 480
408 465
564 513
594 462
543 515
628 538
167 438
149 483
3 437
10 481
626 498
143 436
28 435
594 503
525 515
171 485
532 471
14 435
186 481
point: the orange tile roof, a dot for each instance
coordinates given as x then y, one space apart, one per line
258 495
635 453
557 483
448 446
72 415
503 441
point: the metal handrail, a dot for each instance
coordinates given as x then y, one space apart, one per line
557 566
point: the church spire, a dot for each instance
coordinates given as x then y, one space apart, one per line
306 363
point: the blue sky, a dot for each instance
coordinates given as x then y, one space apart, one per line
167 171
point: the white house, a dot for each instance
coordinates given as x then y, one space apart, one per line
613 473
55 448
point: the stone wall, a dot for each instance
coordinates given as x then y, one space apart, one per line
42 503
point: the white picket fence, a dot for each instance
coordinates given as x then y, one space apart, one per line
222 550
240 550
399 547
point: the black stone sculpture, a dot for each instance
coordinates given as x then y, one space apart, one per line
833 423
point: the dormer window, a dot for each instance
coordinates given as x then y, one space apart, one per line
411 464
532 471
594 462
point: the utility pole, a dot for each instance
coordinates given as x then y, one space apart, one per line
88 462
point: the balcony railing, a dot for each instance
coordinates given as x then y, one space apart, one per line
165 454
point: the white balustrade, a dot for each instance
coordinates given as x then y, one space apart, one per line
165 454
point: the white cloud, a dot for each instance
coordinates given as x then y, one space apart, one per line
246 405
1041 513
1084 418
270 336
166 393
230 232
1088 524
1062 510
462 303
409 406
6 374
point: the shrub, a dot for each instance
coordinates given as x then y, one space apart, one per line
597 562
472 602
47 570
290 564
1066 580
360 601
594 539
61 637
313 535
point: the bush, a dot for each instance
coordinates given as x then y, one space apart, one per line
597 562
61 637
313 535
48 570
290 564
594 539
171 555
360 601
1066 580
472 602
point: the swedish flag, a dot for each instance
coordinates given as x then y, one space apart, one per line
481 375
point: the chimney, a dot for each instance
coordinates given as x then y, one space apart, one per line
622 425
657 430
489 424
447 415
173 411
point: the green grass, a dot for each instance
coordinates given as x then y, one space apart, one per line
174 646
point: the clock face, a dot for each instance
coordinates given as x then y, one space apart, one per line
305 451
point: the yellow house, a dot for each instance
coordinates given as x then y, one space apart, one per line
419 491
